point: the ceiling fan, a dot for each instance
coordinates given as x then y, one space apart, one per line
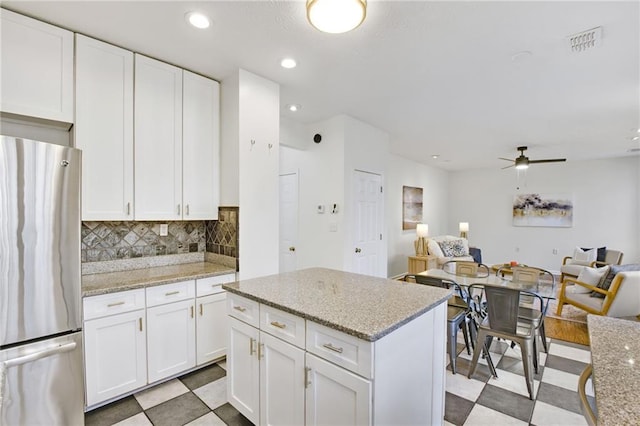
522 162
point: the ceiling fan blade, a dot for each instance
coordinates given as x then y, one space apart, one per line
549 160
505 159
508 167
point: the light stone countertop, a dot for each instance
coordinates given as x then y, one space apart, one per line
363 306
111 282
615 356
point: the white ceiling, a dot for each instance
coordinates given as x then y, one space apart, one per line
439 77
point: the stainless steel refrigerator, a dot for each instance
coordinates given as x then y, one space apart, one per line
41 376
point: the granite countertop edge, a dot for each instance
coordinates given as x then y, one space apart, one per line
370 337
144 282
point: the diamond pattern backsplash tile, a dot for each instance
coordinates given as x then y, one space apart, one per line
222 234
124 240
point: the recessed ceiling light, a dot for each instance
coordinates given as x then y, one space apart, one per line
294 107
635 138
288 63
435 156
197 19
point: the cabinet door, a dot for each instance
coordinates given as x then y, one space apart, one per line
115 355
335 396
158 140
243 369
37 68
171 339
200 147
281 382
211 327
104 129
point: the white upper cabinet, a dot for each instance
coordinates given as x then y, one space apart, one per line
104 129
201 147
158 140
37 68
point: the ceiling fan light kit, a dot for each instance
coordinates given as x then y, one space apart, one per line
522 162
336 16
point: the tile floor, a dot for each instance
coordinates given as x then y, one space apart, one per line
199 398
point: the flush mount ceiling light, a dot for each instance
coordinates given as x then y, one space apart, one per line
288 63
336 16
197 19
293 107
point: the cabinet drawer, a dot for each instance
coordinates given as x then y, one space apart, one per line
284 325
213 285
342 349
112 303
243 309
171 293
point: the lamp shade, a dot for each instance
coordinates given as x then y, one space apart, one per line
422 229
336 16
464 226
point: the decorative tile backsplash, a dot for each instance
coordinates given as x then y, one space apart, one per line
124 240
222 234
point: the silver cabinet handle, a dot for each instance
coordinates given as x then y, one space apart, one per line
358 250
201 309
307 377
178 209
333 348
186 209
278 324
192 312
171 293
260 350
239 308
140 323
111 305
39 355
128 209
252 349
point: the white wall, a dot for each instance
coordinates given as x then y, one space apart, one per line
435 185
229 126
321 181
606 210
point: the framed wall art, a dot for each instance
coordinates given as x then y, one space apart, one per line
411 207
551 210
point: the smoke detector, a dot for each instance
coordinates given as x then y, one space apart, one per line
585 40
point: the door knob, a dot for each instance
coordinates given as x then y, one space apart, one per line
292 248
358 250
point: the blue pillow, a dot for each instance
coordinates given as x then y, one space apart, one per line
613 270
602 253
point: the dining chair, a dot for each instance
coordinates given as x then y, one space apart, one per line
532 274
466 269
587 410
457 314
503 321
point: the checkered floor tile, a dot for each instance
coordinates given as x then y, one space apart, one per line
199 398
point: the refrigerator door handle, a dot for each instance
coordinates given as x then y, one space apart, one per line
39 355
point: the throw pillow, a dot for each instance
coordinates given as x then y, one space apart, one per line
581 257
453 248
602 253
591 276
613 270
434 248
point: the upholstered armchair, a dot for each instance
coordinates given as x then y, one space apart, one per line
457 249
622 299
572 269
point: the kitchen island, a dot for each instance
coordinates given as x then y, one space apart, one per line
320 346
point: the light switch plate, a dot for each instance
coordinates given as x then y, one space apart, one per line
164 229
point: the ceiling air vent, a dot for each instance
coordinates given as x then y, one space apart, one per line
585 40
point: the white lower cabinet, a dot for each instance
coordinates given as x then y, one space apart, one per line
211 327
115 347
138 337
243 369
171 339
335 396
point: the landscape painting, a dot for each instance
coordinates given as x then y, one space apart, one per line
543 210
411 207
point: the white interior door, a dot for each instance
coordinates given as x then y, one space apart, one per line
367 223
288 221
